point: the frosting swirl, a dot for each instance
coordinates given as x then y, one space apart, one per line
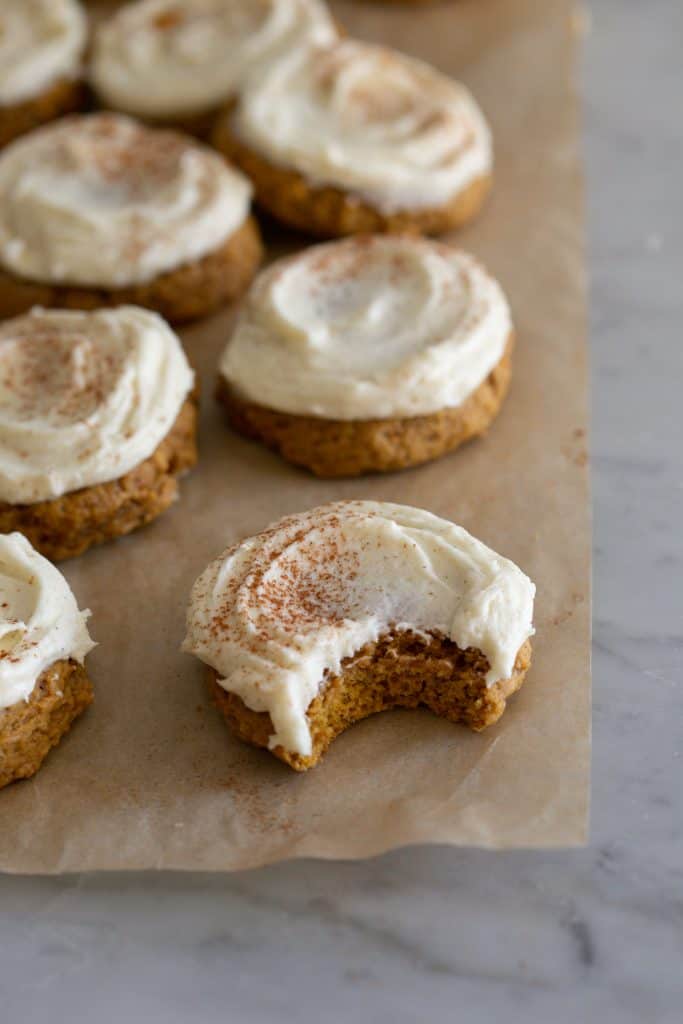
40 622
369 327
166 58
370 121
274 614
41 41
84 398
102 201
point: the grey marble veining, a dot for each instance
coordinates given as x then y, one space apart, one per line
426 934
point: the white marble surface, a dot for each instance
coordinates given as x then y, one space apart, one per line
427 934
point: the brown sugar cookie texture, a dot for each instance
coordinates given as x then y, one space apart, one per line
67 526
353 608
338 448
401 670
64 97
328 212
30 729
44 686
84 463
100 211
367 355
404 148
181 295
180 61
42 43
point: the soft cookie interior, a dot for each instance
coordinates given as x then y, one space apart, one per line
400 670
30 729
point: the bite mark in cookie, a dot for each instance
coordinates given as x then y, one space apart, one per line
400 670
334 614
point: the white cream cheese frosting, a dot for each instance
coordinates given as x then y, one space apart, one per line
41 41
104 202
84 397
169 58
369 327
382 126
40 622
276 613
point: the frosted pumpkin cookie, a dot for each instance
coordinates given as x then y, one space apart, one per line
369 354
352 608
41 50
181 60
43 643
100 210
356 138
98 419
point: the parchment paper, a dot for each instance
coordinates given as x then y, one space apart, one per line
150 777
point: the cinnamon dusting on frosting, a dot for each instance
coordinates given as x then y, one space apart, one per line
140 160
368 328
102 201
54 373
84 397
309 590
277 613
369 121
161 58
